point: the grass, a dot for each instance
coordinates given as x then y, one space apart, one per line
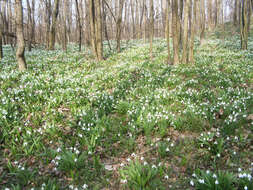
126 123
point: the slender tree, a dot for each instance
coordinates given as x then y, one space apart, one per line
79 24
20 35
118 23
245 22
194 20
167 29
151 36
53 25
175 31
185 31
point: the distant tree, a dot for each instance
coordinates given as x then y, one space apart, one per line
185 31
53 25
20 35
194 21
175 31
151 29
167 29
118 23
79 24
202 21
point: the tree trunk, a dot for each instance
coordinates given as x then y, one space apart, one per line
29 25
185 34
210 13
20 35
235 12
194 20
79 26
118 23
151 29
1 41
53 25
203 21
175 29
245 20
167 29
98 26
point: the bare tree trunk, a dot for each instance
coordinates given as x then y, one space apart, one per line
29 25
194 20
235 12
203 21
53 25
20 35
65 19
210 13
1 41
151 29
145 21
98 26
118 23
185 34
175 29
245 21
79 25
105 25
167 29
48 21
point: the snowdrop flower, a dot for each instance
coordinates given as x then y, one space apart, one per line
166 177
133 154
234 152
216 182
85 186
193 175
167 149
128 159
245 188
145 163
123 181
207 171
122 164
58 150
89 152
76 188
236 138
75 160
239 169
172 144
214 176
71 186
142 158
6 188
153 166
218 155
201 181
192 183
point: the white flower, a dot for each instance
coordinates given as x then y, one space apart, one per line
167 149
216 182
58 150
123 181
145 163
166 177
172 144
193 175
89 152
207 171
122 164
128 159
239 169
218 155
201 181
75 160
234 152
6 188
76 188
133 154
71 187
245 188
192 183
214 176
236 138
153 166
142 158
85 186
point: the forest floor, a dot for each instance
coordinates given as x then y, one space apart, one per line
126 123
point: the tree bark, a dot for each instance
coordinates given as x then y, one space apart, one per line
167 29
175 30
245 22
203 21
185 34
79 25
53 25
151 29
20 35
194 20
118 23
